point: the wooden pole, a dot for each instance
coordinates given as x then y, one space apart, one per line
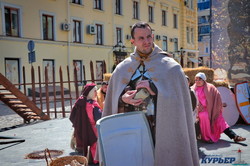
84 75
47 91
70 97
76 82
54 91
104 67
24 81
92 72
62 91
40 88
33 84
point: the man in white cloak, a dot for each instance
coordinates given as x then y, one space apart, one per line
161 85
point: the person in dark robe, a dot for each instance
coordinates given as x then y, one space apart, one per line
85 113
194 102
101 93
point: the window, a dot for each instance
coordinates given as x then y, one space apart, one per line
49 64
191 4
200 38
164 18
176 44
12 70
200 61
190 64
203 19
99 34
203 5
204 29
99 70
77 31
118 7
175 21
78 67
77 2
98 4
188 35
11 19
206 49
11 16
135 10
150 14
118 35
165 43
48 28
208 19
192 35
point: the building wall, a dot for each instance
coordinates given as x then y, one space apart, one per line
191 46
63 51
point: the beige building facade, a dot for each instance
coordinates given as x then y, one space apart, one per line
75 32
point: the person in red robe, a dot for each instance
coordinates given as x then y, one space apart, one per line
85 113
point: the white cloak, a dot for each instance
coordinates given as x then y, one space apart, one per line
175 134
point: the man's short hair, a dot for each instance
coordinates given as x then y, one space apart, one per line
139 25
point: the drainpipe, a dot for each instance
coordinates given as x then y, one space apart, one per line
68 41
113 32
210 35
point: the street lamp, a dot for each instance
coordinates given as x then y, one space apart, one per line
119 51
119 47
181 53
182 61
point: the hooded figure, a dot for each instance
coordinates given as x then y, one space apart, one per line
84 115
153 75
175 141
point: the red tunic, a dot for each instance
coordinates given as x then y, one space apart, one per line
82 118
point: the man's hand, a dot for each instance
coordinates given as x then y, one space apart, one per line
145 84
128 98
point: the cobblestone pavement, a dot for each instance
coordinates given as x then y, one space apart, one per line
9 119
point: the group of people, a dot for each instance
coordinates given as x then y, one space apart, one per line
149 80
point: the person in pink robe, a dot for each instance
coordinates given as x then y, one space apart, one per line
210 108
